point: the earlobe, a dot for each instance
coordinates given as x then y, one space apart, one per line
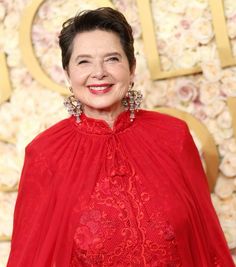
132 70
67 75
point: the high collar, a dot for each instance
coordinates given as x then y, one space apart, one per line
99 126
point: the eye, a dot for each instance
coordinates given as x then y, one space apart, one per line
113 59
82 62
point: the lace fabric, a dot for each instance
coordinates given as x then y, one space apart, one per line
99 127
115 229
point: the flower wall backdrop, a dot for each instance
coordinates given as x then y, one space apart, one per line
185 38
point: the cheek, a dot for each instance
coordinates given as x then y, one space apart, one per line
123 75
78 78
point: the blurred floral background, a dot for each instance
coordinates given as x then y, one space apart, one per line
185 39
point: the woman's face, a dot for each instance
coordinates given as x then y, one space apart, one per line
98 70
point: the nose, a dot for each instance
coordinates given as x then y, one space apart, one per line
99 71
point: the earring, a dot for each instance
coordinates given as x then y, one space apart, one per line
73 106
132 101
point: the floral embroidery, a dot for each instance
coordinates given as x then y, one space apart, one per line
116 227
92 126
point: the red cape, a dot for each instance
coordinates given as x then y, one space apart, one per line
136 195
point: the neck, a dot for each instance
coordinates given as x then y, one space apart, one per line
109 114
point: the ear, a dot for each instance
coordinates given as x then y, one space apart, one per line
67 75
132 71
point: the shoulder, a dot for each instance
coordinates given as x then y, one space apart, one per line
162 121
44 140
162 129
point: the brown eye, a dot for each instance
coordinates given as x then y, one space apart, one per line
82 62
113 59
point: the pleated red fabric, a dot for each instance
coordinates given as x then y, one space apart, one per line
135 195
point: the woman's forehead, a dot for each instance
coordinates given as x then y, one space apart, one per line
97 41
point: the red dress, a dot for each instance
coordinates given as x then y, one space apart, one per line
135 195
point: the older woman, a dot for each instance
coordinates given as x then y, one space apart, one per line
111 186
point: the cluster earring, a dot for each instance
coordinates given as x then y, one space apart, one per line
73 106
132 101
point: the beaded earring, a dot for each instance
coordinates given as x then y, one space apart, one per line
73 106
132 101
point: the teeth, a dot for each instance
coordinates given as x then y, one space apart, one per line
98 88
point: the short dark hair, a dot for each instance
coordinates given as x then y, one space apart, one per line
104 18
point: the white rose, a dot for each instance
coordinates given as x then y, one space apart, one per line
165 25
176 6
223 134
211 70
158 95
194 12
202 30
209 92
166 63
228 164
12 42
215 108
224 120
188 59
174 50
229 7
228 145
14 59
228 86
199 112
224 187
201 4
188 40
12 20
20 77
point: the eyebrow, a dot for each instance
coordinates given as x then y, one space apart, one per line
106 55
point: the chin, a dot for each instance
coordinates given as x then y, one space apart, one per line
102 106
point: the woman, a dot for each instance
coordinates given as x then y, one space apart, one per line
111 186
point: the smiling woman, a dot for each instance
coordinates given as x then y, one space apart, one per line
111 186
99 74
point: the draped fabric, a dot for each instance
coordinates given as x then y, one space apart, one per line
135 195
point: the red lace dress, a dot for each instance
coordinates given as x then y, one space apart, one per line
134 195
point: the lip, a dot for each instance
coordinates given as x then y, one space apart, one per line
106 88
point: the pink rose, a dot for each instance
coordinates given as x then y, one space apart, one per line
186 91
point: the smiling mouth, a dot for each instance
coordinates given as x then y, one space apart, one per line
99 89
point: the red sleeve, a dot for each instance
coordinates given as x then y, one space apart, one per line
30 207
209 232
